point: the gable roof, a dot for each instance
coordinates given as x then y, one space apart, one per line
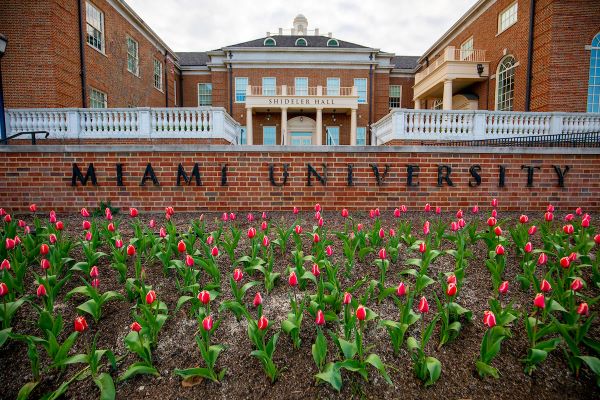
405 62
188 58
290 41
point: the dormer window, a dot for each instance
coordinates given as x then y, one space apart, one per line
301 42
270 42
333 43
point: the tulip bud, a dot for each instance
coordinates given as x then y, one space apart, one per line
170 211
181 246
320 222
295 210
162 232
320 320
528 247
498 231
44 249
361 313
130 250
210 240
523 219
382 253
298 229
451 289
136 327
397 213
315 270
548 216
454 226
565 262
238 275
189 260
264 215
32 208
499 250
585 223
232 216
22 223
207 323
572 256
569 217
451 279
251 233
489 319
401 289
345 213
150 297
503 288
86 225
85 213
371 214
545 286
293 279
568 229
381 233
438 210
423 305
583 309
461 223
2 212
41 291
7 218
427 207
459 214
3 289
491 221
403 208
494 213
5 265
263 226
250 217
52 218
377 213
118 243
359 227
475 210
317 207
426 229
45 264
214 252
152 224
108 214
257 299
494 203
95 283
316 238
265 241
532 230
204 297
422 247
347 298
224 217
578 211
94 273
597 239
133 212
88 236
392 232
52 237
576 285
263 323
80 324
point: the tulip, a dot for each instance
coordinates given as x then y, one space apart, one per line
320 320
585 223
251 233
265 241
41 291
169 211
133 212
94 273
315 270
86 225
85 213
52 218
438 210
317 216
250 217
371 214
232 216
454 226
523 219
7 218
532 230
578 211
583 309
576 285
426 229
130 250
2 212
257 300
210 240
45 264
461 223
545 286
152 224
568 229
489 319
451 279
397 213
572 256
423 305
224 217
548 216
494 203
316 238
3 289
382 253
503 288
88 236
401 289
498 231
550 208
5 265
427 207
150 297
317 207
475 209
162 232
381 233
207 323
539 301
295 210
293 279
95 283
569 217
32 208
528 247
320 222
108 214
494 213
565 262
403 208
204 297
80 324
451 289
347 298
459 214
22 223
422 247
345 213
359 227
118 243
27 230
214 251
329 251
491 221
377 213
189 260
392 232
17 240
136 327
181 246
361 313
597 238
238 275
44 249
298 229
263 226
263 323
499 250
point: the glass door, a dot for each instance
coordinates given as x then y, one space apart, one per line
301 138
333 135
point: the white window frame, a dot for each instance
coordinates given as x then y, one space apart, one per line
95 101
274 89
508 17
135 57
333 43
204 94
593 92
158 74
399 97
466 50
299 40
366 91
303 91
499 81
90 24
241 91
327 135
270 40
331 91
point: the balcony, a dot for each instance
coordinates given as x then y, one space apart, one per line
452 71
264 97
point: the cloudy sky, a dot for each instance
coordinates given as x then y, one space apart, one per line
407 27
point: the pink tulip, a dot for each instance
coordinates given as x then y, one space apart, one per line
583 309
423 305
257 300
499 250
576 285
204 297
401 290
329 251
532 230
542 259
361 313
207 323
545 286
265 241
320 320
238 275
293 279
489 319
345 213
503 288
315 270
214 251
189 260
539 301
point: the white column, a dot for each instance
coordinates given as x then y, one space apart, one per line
319 131
417 104
285 137
447 101
353 127
249 137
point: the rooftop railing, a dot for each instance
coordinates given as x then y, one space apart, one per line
284 90
451 53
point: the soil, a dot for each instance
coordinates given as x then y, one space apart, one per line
245 377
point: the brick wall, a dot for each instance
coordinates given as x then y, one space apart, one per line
44 178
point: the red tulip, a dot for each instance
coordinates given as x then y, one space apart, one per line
136 327
382 253
7 218
438 210
118 243
451 290
568 229
329 251
88 236
459 214
210 240
45 264
265 241
320 320
423 305
204 297
545 286
293 279
22 224
377 213
523 219
189 260
295 210
361 313
532 230
85 213
152 224
548 216
528 247
317 207
263 226
170 211
320 222
597 238
572 256
489 319
150 297
569 217
585 223
108 214
3 289
494 213
426 229
207 323
41 291
86 225
427 207
499 250
565 262
44 249
133 212
371 214
316 238
392 232
345 213
80 324
475 209
257 300
181 246
576 285
94 273
250 217
503 288
578 211
491 221
238 275
498 231
317 216
32 208
347 298
454 226
130 250
539 301
95 283
461 223
263 323
52 218
2 212
381 233
550 208
224 217
542 259
298 229
214 252
451 279
401 289
5 265
583 309
397 213
494 203
232 216
422 247
251 233
359 227
162 232
315 270
10 244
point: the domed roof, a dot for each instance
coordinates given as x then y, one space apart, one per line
300 18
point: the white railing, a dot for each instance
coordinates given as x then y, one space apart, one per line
451 53
406 124
285 90
125 123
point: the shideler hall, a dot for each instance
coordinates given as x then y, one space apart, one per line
301 85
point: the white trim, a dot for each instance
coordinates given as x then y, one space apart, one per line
137 56
198 94
504 11
269 39
161 74
203 73
235 100
301 38
498 80
333 40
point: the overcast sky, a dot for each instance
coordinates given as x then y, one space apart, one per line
404 27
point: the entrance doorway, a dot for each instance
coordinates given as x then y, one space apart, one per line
301 138
302 130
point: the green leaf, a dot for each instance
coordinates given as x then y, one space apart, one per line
434 366
331 374
138 369
4 335
555 306
486 370
375 361
26 390
192 372
349 349
107 387
592 362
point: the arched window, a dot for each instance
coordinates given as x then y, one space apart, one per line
333 43
505 84
301 42
270 42
593 102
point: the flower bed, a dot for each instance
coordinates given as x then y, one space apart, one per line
300 305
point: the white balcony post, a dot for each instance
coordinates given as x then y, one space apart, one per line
319 90
145 123
248 90
73 124
319 131
450 51
353 126
479 128
284 90
354 91
398 124
417 104
249 137
556 124
447 100
217 124
284 133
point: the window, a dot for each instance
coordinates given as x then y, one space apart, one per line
243 135
593 102
505 84
270 42
361 87
361 136
333 86
333 43
205 94
269 135
97 99
395 96
301 88
133 61
269 86
301 42
241 84
158 75
333 135
507 18
466 49
94 19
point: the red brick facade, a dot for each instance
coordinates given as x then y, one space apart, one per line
44 178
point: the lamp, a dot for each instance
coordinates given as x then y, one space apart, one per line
3 43
480 69
268 117
333 116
